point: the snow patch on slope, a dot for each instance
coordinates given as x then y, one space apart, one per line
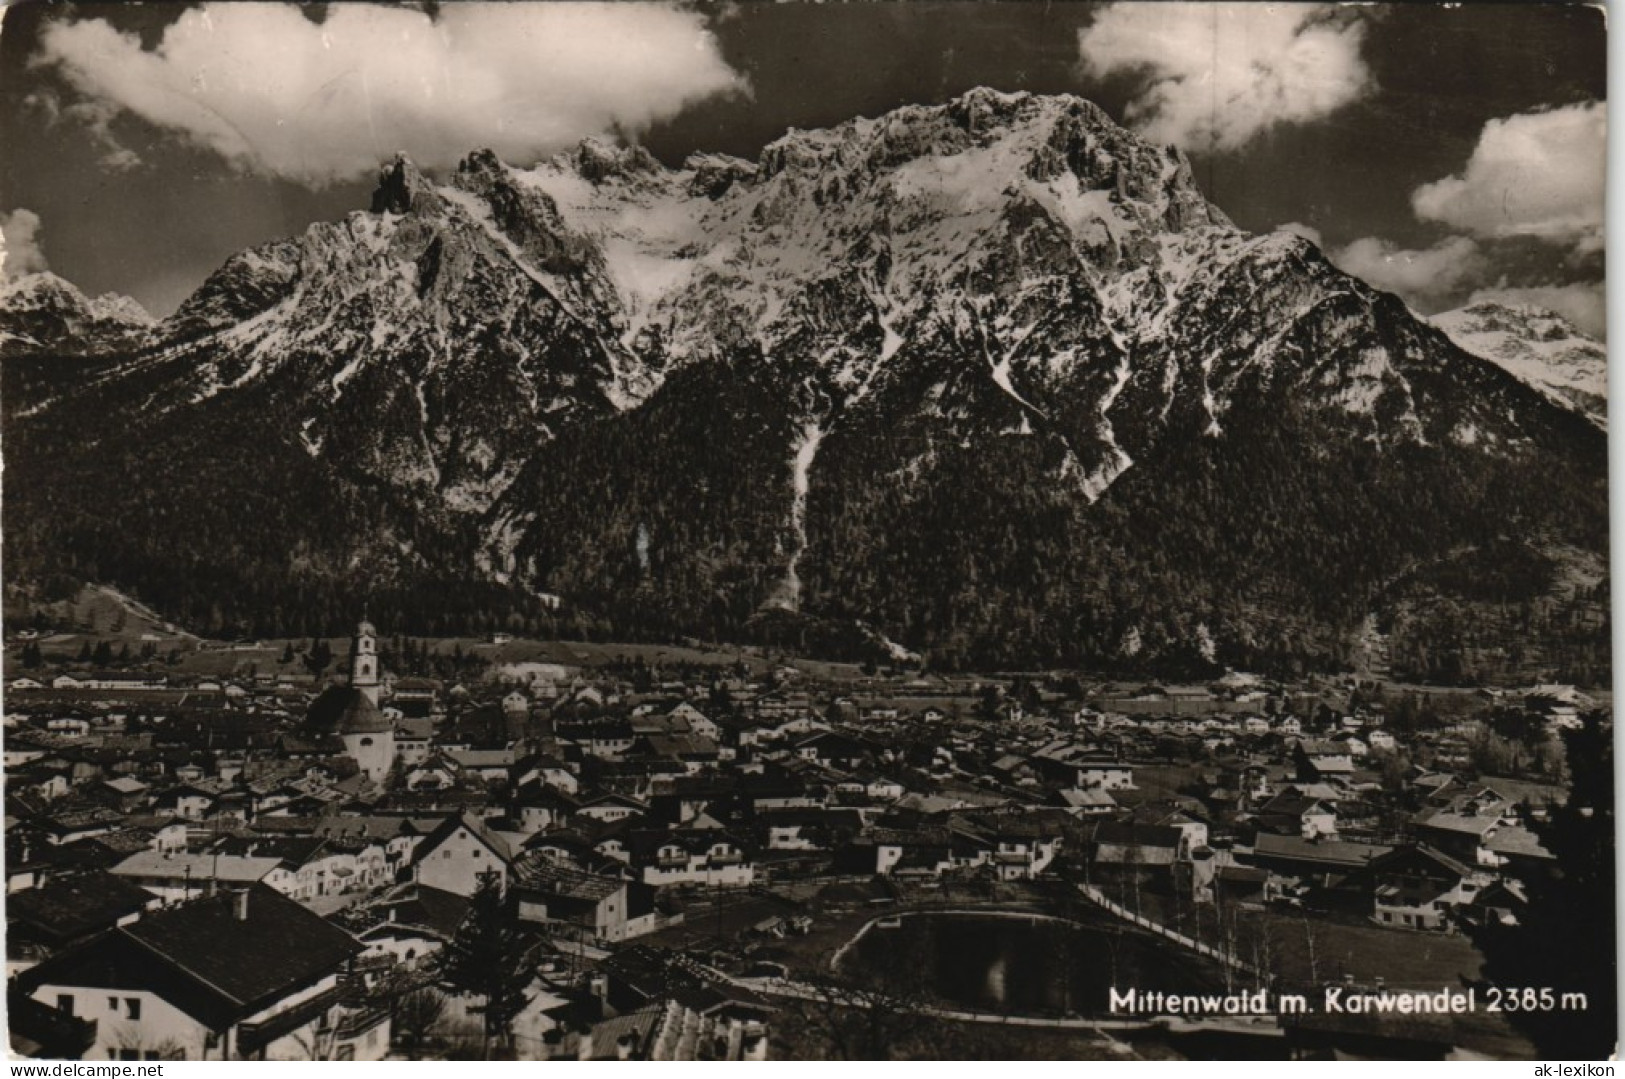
788 595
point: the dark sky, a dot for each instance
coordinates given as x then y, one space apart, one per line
147 162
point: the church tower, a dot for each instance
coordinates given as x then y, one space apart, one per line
369 738
351 711
364 660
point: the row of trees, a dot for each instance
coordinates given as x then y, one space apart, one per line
101 655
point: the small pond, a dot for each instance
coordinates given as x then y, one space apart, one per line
1022 965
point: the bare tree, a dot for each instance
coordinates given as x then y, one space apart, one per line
416 1016
1309 940
1264 952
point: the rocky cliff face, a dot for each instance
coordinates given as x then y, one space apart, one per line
992 376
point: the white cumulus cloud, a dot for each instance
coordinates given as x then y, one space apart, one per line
1424 277
1584 304
1536 174
20 251
277 94
1221 73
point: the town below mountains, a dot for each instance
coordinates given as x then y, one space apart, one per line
395 848
880 600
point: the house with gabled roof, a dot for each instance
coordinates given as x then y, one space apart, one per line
1026 845
1418 887
1324 863
698 722
414 739
1291 813
599 907
399 835
434 773
1104 773
457 854
1138 844
71 826
1173 813
547 770
1321 759
805 829
832 749
903 851
409 924
564 846
1086 802
694 752
68 910
612 807
609 739
1466 826
178 876
1516 849
238 975
1502 902
483 764
684 856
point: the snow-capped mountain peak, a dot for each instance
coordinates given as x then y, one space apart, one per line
1538 346
42 312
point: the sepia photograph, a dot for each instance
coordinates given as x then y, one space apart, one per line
888 531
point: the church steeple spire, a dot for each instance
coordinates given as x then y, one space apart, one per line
364 660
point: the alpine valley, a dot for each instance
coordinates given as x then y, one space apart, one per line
990 382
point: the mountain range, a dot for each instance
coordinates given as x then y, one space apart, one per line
990 382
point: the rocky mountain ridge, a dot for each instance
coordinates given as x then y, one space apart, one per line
888 374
